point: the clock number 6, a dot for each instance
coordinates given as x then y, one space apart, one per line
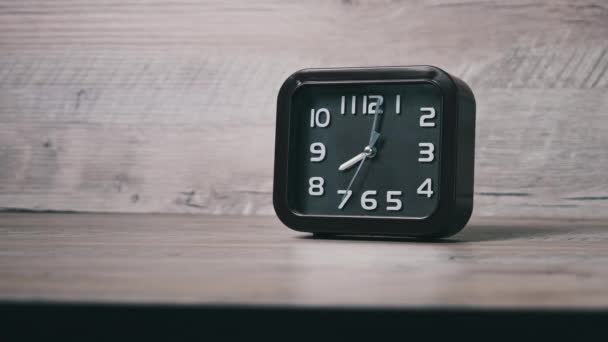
319 118
368 203
430 114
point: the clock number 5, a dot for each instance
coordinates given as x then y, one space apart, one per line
394 203
319 118
428 114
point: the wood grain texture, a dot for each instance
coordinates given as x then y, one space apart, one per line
255 260
155 106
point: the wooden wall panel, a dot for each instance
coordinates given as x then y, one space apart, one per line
161 106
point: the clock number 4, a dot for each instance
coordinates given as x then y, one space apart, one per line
425 188
428 114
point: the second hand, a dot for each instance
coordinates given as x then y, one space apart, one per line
374 136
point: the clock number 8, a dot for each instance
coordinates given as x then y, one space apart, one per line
315 186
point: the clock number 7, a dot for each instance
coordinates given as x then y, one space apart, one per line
344 198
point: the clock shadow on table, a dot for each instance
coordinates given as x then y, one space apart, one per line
471 233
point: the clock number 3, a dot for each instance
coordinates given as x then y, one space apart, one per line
426 152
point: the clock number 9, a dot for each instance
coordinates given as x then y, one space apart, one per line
318 151
319 118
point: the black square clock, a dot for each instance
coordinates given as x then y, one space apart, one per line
375 151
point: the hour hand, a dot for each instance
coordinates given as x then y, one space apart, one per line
354 160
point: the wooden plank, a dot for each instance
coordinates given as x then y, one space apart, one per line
171 99
219 259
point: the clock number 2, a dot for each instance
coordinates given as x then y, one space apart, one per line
428 114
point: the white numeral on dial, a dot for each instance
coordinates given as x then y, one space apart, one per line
316 186
368 203
394 203
427 150
319 118
375 105
398 104
318 151
425 188
430 114
345 196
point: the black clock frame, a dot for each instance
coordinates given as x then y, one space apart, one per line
455 203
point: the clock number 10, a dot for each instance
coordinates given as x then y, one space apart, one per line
319 117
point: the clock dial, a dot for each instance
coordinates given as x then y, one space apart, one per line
365 150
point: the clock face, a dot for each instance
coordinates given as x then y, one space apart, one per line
365 149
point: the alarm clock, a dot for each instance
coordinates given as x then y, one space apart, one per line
374 151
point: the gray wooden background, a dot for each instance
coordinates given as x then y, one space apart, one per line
167 106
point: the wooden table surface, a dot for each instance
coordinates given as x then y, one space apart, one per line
193 259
